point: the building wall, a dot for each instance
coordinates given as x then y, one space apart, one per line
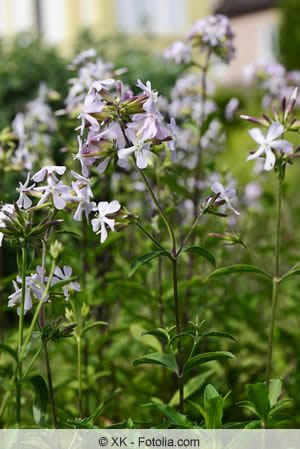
255 35
61 20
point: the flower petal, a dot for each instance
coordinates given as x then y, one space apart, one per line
270 160
257 135
113 206
275 130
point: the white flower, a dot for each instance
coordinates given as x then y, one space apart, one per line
34 285
24 201
140 149
268 143
6 208
64 276
56 189
15 298
150 104
179 52
83 195
48 170
226 195
104 208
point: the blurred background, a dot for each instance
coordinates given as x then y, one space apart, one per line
59 22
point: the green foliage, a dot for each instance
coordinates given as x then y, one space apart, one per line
289 36
25 63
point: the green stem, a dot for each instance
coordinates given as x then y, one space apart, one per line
79 374
275 278
34 358
161 212
20 338
38 309
149 235
50 385
179 345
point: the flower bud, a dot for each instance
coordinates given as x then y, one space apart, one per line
56 249
85 311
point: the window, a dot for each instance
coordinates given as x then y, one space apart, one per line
151 16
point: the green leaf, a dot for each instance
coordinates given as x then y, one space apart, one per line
61 284
258 395
139 261
150 340
160 333
279 407
182 334
275 387
210 393
158 358
207 357
294 271
92 325
174 417
237 269
218 334
40 402
9 351
191 387
199 251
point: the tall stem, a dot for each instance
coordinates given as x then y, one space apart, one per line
161 212
275 277
20 338
179 345
50 385
79 374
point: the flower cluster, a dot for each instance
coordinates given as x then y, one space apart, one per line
212 35
273 79
89 68
33 129
35 286
121 124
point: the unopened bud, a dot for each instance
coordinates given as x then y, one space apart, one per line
85 310
258 120
56 249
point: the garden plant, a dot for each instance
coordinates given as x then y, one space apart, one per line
143 283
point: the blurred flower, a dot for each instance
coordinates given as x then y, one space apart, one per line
3 217
179 52
215 35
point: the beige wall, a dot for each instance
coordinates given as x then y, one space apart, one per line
253 42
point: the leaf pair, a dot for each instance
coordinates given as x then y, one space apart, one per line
263 402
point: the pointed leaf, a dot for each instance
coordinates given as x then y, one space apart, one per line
40 402
174 417
275 387
294 271
191 387
233 269
258 395
207 357
9 351
199 251
158 358
160 333
92 325
139 261
218 334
